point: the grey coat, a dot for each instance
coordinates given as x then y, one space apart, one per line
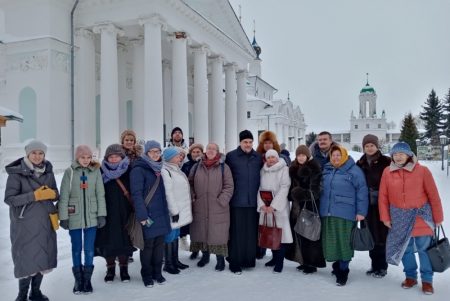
211 193
33 239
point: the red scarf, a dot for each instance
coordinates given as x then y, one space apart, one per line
211 162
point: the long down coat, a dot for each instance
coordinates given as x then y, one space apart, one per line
211 191
33 240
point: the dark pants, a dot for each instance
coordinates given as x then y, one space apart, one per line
243 237
184 231
83 239
151 258
378 256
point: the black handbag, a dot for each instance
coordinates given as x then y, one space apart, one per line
361 238
439 252
308 222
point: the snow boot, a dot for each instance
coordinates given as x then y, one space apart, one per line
78 275
342 277
87 275
335 268
220 266
176 260
169 265
124 276
24 285
270 263
36 294
204 260
110 273
194 255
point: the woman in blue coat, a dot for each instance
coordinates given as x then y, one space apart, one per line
343 201
154 217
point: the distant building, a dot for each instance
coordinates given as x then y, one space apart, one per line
367 122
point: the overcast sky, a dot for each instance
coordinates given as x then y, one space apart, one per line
321 50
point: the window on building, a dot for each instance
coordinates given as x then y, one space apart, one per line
249 115
129 114
28 107
356 126
367 126
379 125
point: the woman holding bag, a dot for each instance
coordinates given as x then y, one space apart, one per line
275 181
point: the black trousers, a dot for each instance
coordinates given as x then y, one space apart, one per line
378 256
243 237
152 257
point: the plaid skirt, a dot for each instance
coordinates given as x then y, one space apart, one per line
336 233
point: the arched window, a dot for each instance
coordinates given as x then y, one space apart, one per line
129 108
27 107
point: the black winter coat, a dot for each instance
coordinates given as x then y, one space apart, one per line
373 173
113 238
305 179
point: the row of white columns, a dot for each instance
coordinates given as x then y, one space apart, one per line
149 109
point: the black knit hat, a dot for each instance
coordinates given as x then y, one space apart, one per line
176 129
245 134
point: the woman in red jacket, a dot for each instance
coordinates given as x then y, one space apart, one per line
410 207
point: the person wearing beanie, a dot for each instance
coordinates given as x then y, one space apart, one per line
344 199
268 140
176 139
373 163
82 209
245 164
275 180
30 193
411 208
129 142
113 241
178 197
306 176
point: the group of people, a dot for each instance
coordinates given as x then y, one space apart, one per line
219 200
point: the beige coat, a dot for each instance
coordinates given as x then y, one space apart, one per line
276 179
211 190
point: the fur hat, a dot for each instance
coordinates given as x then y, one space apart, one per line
369 138
194 146
151 144
272 153
35 145
245 134
114 149
170 153
271 136
128 133
401 147
303 149
82 150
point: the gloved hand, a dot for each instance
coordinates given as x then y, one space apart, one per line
44 193
175 218
64 224
101 221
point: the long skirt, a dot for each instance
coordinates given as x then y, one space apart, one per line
336 233
243 237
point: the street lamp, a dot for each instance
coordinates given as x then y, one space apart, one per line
443 140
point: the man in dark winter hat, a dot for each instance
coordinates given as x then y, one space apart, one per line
245 164
176 139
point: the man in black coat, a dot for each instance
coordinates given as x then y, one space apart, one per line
245 164
373 164
320 148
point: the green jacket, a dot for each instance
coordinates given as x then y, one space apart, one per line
82 206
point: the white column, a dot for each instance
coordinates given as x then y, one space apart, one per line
167 96
217 102
85 88
241 101
122 85
138 88
230 108
109 92
180 107
201 129
153 88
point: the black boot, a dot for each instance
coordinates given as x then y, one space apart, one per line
220 266
24 284
169 265
36 294
124 276
176 260
78 275
110 273
194 255
335 268
204 260
87 275
279 259
342 277
271 262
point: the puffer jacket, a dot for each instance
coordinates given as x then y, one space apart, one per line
33 240
82 206
345 192
407 188
178 194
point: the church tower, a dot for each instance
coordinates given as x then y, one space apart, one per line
367 101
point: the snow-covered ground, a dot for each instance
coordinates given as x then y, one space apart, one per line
206 284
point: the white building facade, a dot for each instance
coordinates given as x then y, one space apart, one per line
148 65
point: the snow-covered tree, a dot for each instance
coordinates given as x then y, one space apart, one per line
409 132
432 117
310 138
